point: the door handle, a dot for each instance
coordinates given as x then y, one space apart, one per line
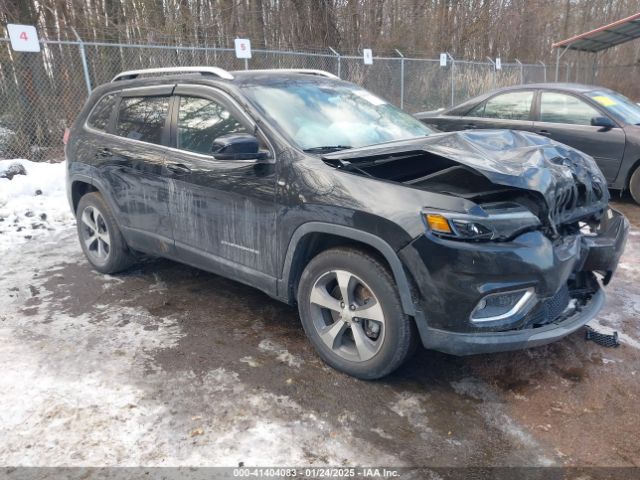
546 133
178 168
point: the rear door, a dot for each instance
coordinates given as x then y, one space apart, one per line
510 110
566 118
132 167
223 211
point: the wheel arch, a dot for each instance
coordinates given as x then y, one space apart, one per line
79 188
314 237
81 184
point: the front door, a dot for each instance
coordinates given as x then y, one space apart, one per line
223 211
567 119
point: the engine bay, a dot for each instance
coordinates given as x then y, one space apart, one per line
438 174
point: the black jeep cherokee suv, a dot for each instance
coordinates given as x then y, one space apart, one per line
319 193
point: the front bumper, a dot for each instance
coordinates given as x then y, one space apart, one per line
451 277
474 343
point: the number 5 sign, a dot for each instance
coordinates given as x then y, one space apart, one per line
243 48
24 38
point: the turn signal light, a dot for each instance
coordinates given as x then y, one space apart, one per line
438 223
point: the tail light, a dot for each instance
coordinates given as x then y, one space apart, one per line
65 137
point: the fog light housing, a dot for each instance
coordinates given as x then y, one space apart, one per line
502 305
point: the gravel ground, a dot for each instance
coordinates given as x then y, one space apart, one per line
166 365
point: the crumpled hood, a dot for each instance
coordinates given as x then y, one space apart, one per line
506 157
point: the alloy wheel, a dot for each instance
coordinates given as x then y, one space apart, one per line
95 234
347 315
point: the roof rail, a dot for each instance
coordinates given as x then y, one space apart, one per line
131 74
304 71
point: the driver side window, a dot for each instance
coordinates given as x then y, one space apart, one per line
561 108
201 121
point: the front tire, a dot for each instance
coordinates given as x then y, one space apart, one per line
351 311
634 185
100 237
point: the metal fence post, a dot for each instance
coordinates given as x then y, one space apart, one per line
493 77
401 77
521 71
338 59
544 70
83 57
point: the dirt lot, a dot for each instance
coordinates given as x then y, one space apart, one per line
168 365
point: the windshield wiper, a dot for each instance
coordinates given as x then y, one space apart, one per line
346 165
327 149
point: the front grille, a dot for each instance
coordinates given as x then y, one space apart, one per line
550 309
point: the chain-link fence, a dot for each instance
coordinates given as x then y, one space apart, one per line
41 93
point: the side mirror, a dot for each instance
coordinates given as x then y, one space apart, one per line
604 122
237 146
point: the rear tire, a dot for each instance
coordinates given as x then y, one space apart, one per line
99 235
367 336
634 185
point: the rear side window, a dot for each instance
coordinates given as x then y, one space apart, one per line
101 113
562 108
201 121
508 106
142 118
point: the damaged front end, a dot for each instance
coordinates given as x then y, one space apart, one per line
519 266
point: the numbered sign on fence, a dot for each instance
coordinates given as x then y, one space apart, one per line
24 38
367 55
243 48
443 59
498 64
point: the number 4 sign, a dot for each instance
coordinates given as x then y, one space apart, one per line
24 38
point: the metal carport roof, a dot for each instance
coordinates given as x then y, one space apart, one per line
604 37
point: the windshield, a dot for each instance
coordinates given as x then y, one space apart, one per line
332 116
617 105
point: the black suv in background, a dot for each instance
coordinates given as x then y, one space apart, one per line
319 193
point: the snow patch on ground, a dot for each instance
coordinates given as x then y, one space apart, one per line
409 406
492 410
250 361
32 205
85 389
159 285
281 353
382 433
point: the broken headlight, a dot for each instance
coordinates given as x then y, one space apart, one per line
496 221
